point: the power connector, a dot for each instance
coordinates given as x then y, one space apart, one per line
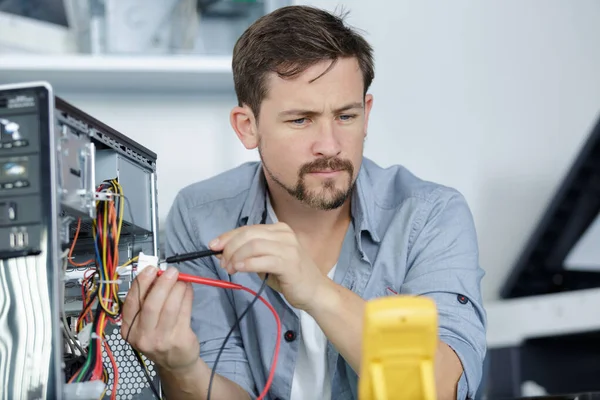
145 260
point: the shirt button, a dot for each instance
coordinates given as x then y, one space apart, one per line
290 336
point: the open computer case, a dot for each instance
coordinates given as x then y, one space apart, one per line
78 201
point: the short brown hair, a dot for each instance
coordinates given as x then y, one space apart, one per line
289 40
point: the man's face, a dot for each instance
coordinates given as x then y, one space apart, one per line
311 133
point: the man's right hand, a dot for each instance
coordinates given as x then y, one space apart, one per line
161 330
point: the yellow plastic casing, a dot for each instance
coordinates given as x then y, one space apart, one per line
400 338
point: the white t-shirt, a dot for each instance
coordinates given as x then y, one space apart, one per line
311 376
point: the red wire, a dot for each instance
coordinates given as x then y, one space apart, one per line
230 285
115 368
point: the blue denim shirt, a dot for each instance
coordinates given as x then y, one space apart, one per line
407 236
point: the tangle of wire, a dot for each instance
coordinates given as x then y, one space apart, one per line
100 286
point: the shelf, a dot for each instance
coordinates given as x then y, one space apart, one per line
86 73
511 322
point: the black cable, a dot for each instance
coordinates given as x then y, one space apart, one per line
137 355
140 361
177 258
237 322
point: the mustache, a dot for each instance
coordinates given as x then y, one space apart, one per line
334 164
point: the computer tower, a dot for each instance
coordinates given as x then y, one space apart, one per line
78 200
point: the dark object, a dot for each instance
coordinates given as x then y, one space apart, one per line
52 11
226 9
540 268
233 328
177 258
290 336
574 396
559 364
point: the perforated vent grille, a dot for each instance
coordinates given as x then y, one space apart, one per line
132 381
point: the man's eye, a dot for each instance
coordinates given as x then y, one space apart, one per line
347 117
298 121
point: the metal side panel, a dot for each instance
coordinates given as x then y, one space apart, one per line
27 326
30 337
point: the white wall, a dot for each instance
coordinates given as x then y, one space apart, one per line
494 98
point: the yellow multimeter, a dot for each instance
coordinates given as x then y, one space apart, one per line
400 338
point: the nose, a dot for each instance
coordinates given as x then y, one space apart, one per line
326 143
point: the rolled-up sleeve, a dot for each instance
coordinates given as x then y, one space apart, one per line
213 314
443 264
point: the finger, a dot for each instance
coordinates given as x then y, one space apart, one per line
221 241
254 248
156 299
170 311
185 313
243 237
278 237
262 264
139 289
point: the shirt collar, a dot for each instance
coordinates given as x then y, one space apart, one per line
255 207
254 210
363 205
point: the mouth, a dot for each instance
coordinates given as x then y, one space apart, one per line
326 173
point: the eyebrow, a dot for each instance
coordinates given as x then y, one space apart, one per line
350 106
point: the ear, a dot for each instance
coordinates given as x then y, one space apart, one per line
243 123
368 105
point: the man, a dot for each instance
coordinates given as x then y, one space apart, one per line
330 227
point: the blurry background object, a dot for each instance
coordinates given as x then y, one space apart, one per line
129 26
547 333
128 46
24 22
134 26
51 11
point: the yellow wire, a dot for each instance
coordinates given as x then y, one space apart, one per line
105 390
102 298
110 291
112 288
122 208
119 190
142 360
115 255
134 259
104 239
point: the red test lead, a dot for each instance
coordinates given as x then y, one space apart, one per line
230 285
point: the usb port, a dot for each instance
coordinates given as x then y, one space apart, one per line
12 239
21 239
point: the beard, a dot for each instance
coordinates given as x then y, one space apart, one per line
329 197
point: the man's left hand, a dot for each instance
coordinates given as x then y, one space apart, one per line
272 249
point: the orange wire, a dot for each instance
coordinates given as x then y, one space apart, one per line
110 292
84 264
